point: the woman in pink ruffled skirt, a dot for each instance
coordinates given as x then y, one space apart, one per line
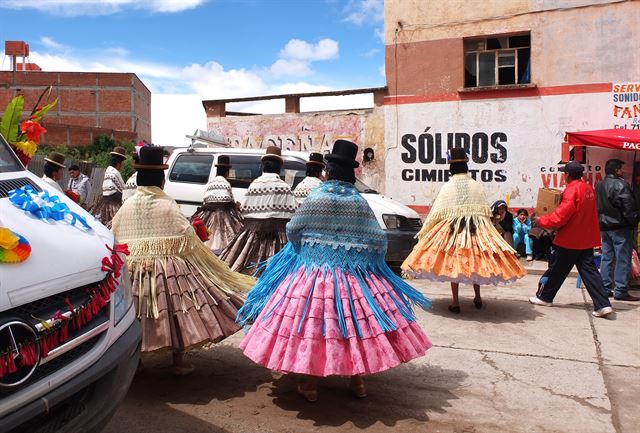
328 304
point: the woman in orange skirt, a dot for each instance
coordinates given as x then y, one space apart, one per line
458 243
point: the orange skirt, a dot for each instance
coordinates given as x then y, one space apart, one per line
464 250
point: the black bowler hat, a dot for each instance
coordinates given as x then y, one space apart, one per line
151 158
572 167
223 161
457 154
273 153
316 159
344 152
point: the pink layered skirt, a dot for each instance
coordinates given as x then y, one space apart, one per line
320 323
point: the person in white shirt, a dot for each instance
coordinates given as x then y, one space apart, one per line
219 212
79 183
315 166
112 186
269 204
54 170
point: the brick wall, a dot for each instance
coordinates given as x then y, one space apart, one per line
117 104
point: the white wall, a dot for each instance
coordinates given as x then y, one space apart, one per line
515 143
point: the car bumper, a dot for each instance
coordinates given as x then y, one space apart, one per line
399 244
86 402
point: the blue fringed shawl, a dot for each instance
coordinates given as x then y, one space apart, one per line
334 228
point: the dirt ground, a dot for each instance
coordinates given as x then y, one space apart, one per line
509 367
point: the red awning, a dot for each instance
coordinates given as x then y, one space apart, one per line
624 139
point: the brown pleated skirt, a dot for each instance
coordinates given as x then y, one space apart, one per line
106 207
224 222
179 307
259 240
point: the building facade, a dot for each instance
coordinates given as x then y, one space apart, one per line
89 104
505 80
308 131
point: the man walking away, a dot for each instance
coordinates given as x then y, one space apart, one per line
79 183
618 217
578 233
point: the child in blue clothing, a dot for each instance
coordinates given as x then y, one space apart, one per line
521 227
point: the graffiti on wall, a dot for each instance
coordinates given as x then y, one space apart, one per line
514 145
289 132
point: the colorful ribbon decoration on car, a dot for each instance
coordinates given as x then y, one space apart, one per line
46 207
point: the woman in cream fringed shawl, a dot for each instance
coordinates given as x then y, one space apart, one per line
184 295
458 243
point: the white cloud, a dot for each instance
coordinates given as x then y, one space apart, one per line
378 32
52 44
178 91
100 7
382 70
292 68
296 57
297 49
364 11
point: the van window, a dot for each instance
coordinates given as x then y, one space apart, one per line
245 168
191 168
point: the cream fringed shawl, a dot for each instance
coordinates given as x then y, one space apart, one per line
153 227
461 196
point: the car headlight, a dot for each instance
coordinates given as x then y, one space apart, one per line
391 221
122 297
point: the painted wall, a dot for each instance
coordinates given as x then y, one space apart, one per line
311 132
570 44
514 144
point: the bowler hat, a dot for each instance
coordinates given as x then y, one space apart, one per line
344 152
316 159
119 151
457 154
273 152
223 161
151 158
56 158
572 167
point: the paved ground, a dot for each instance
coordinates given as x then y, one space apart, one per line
508 367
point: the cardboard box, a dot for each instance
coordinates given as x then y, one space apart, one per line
548 200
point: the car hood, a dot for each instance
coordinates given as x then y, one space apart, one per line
62 256
387 205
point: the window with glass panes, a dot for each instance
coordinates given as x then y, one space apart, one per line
497 61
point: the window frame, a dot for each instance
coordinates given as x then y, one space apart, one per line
497 67
190 154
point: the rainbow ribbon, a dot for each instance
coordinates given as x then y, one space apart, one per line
46 207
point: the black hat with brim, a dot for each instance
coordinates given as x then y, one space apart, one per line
572 167
316 159
151 158
344 152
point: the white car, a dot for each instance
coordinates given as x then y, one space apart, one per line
191 168
78 384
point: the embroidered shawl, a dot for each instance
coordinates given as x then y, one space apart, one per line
218 191
461 196
305 187
268 196
130 187
113 182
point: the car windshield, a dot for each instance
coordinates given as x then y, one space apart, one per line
8 160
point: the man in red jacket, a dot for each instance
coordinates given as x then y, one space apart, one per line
576 219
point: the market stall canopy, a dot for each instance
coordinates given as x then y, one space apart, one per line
624 139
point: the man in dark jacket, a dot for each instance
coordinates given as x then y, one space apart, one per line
618 217
576 219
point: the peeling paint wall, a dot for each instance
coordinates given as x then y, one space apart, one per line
311 132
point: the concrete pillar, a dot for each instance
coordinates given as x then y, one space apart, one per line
216 109
292 104
378 97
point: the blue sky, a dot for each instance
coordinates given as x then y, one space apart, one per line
189 50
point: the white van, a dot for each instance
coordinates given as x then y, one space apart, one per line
81 381
191 168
